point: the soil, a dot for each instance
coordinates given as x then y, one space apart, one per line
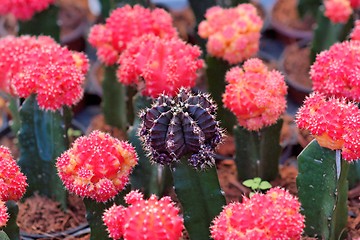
285 12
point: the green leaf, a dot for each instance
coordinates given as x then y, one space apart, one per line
248 183
3 236
200 196
265 185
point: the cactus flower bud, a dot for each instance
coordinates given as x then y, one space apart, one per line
144 219
159 65
334 123
97 166
113 37
12 181
3 214
233 33
335 71
274 215
23 9
255 95
338 11
185 124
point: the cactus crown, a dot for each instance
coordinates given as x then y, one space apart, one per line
185 124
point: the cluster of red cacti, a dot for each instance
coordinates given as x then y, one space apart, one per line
144 219
255 95
41 66
23 9
159 65
233 34
112 38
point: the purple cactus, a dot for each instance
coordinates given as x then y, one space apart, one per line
179 126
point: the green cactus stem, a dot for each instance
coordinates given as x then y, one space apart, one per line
42 23
327 33
216 70
200 196
11 229
114 100
42 138
322 195
257 153
306 7
13 105
94 213
3 236
149 178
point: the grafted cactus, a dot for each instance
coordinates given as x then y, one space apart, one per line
175 127
182 132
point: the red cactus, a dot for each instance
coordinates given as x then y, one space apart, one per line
255 95
113 37
14 56
338 11
3 214
23 9
12 181
54 73
159 65
144 219
97 166
334 123
335 71
274 215
355 34
233 33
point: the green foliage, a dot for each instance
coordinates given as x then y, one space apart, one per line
42 23
149 178
3 236
322 196
257 185
15 116
200 196
258 153
308 7
11 229
94 213
42 138
216 70
327 33
114 100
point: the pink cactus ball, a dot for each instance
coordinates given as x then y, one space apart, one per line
335 123
55 74
97 166
111 39
338 11
23 9
4 216
233 34
255 95
144 219
355 34
274 215
335 71
12 181
159 66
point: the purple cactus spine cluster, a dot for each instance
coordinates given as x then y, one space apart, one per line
183 125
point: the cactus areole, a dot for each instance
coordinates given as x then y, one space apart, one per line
179 126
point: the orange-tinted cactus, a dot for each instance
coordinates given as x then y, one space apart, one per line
97 166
